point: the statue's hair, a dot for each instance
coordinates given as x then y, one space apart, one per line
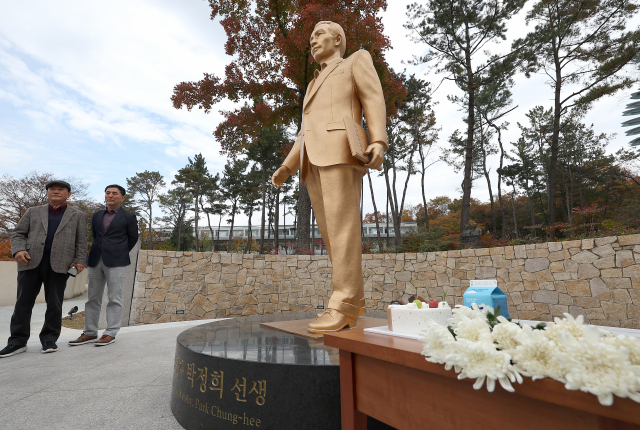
336 29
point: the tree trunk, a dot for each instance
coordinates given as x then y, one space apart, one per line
533 217
375 211
584 224
606 204
568 202
233 217
218 232
196 222
515 220
502 214
467 182
179 234
264 204
486 175
406 183
270 229
284 222
531 208
249 234
387 218
213 242
391 196
150 228
557 107
276 239
424 198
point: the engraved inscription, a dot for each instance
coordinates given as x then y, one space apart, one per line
217 412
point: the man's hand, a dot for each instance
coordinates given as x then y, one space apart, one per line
22 257
280 175
377 151
80 267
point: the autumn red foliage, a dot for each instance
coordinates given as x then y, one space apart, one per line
371 217
5 250
272 65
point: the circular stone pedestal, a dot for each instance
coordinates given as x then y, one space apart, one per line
235 374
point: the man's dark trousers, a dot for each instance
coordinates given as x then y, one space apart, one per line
29 283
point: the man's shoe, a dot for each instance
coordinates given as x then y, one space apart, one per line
10 350
105 340
49 346
331 321
84 338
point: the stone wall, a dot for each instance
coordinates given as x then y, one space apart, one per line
9 284
597 278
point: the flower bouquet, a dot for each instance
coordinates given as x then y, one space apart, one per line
479 345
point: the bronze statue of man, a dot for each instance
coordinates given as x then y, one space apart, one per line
333 176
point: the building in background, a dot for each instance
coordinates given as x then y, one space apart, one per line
286 235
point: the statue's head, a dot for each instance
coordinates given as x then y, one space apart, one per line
327 39
474 225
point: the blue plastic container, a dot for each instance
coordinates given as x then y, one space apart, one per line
486 292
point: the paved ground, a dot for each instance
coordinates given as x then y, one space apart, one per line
37 317
126 385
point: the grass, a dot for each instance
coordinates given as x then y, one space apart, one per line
77 322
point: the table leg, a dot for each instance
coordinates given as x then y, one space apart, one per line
352 419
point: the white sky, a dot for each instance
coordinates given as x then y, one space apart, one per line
85 91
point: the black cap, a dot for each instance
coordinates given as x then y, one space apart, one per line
61 183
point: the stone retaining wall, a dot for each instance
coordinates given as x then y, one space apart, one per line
9 285
597 278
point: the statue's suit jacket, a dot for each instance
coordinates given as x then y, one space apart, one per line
69 242
347 87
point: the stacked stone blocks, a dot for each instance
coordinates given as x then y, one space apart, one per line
597 278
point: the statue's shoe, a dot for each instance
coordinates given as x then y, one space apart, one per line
361 312
362 308
331 321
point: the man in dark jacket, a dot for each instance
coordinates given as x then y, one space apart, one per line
115 233
46 243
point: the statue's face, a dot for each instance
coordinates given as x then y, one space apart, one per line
323 43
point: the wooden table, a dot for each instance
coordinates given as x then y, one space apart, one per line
387 378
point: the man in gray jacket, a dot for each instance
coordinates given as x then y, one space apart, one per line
47 242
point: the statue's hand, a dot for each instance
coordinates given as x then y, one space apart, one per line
377 156
280 175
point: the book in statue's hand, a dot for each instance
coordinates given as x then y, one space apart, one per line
358 139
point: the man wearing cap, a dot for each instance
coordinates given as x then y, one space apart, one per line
115 233
47 241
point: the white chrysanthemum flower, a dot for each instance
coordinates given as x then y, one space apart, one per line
631 343
474 330
575 326
482 361
471 313
535 356
598 367
437 342
504 334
